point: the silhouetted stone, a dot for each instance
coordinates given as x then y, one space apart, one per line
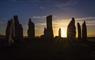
21 31
79 31
31 33
14 32
59 32
9 35
84 31
17 32
8 29
49 27
45 34
31 30
71 31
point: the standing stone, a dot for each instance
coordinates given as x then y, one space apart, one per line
31 30
49 27
71 31
31 33
9 35
84 31
79 31
45 34
17 32
14 32
59 32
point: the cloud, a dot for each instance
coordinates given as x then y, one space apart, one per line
86 18
62 1
43 4
42 1
59 1
38 17
52 5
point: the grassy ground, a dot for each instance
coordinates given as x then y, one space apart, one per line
54 50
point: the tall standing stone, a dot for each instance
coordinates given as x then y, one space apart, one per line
9 34
59 32
84 31
31 30
71 31
49 27
45 34
15 31
79 31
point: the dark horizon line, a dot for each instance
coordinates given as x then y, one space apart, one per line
41 35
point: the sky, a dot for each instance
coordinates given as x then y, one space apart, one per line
37 10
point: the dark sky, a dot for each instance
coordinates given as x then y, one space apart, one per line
37 9
64 8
